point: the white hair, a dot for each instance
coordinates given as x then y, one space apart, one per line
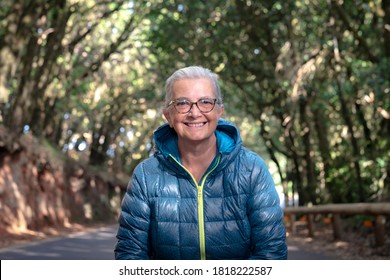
191 72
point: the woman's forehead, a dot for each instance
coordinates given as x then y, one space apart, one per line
199 87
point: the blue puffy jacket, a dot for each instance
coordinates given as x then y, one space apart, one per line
232 213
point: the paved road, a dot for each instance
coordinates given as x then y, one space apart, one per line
98 245
92 245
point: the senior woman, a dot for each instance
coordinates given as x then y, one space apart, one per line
202 194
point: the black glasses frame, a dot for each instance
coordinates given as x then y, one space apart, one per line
173 102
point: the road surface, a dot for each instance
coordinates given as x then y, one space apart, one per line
99 245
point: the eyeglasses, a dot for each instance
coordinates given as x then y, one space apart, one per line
183 106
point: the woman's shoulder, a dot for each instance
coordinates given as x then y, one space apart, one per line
147 166
250 159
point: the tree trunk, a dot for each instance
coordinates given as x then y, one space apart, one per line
355 147
386 24
310 170
271 152
325 152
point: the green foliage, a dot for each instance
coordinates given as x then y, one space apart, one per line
306 81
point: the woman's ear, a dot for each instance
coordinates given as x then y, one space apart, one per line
167 116
221 109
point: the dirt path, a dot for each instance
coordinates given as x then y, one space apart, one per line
353 246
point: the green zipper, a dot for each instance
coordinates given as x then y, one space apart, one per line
202 239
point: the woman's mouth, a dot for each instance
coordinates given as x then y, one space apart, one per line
195 124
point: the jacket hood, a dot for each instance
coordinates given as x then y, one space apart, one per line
228 140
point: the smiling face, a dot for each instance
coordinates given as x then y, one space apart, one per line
194 126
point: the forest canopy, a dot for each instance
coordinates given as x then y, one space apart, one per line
307 82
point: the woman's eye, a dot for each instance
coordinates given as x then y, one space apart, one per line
182 103
206 101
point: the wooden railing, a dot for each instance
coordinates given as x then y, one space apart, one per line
378 210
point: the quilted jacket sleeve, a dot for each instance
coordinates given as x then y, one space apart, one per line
266 216
133 232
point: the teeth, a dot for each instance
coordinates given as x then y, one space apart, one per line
195 124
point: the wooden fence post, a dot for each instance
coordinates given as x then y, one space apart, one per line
380 230
310 225
337 231
292 223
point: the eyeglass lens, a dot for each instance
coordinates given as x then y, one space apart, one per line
204 105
